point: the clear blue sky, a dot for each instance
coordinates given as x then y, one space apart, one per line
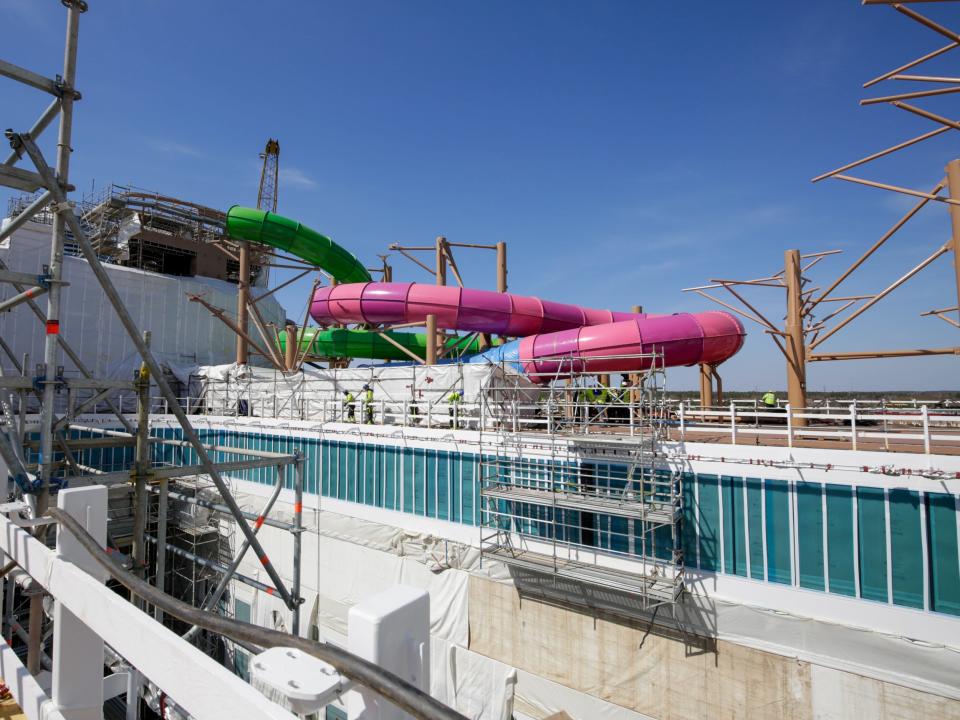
624 150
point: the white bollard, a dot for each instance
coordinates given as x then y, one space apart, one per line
391 629
77 689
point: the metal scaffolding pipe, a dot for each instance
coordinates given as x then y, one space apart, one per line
224 510
58 236
297 542
212 564
24 217
38 127
214 597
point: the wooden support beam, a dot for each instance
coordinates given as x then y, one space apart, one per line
876 246
795 350
911 64
882 294
879 354
953 180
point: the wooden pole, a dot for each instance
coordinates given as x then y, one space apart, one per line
796 350
441 272
431 346
243 294
501 267
706 386
290 348
953 180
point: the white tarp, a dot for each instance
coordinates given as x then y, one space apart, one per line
473 684
318 394
183 333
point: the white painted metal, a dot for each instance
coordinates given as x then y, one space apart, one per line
308 684
77 688
391 629
208 691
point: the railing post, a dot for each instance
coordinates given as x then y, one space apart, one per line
733 423
789 425
926 428
77 688
683 423
853 425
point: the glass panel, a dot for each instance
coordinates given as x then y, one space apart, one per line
755 520
906 548
407 470
777 506
840 558
872 537
689 527
709 521
419 474
810 535
734 529
942 547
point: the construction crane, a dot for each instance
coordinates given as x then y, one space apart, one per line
269 176
266 200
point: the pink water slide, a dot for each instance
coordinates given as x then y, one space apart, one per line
555 337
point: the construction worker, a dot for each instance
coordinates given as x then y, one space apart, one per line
367 404
769 400
349 406
584 403
453 401
601 397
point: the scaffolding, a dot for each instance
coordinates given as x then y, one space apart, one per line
172 513
569 484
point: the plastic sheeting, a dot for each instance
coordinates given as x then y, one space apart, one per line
337 573
471 683
311 393
183 334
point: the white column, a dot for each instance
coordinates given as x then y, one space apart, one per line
78 651
391 629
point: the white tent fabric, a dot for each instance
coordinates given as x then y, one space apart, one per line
184 334
317 394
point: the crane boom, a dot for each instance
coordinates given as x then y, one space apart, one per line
269 177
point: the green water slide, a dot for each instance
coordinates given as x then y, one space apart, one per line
258 226
340 342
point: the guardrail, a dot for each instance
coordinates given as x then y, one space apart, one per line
853 427
922 429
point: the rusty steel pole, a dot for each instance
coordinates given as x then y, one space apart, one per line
243 295
795 344
439 338
501 266
706 386
953 182
290 348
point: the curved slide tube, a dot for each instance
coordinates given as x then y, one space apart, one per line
257 226
341 342
556 337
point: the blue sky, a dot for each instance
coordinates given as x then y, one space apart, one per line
624 150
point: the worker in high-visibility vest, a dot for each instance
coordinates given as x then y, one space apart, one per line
367 404
769 400
349 406
453 401
601 399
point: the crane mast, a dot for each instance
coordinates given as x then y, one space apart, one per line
269 177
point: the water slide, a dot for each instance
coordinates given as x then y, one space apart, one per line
341 342
555 337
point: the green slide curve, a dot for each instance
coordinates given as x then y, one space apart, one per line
340 342
257 226
265 228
